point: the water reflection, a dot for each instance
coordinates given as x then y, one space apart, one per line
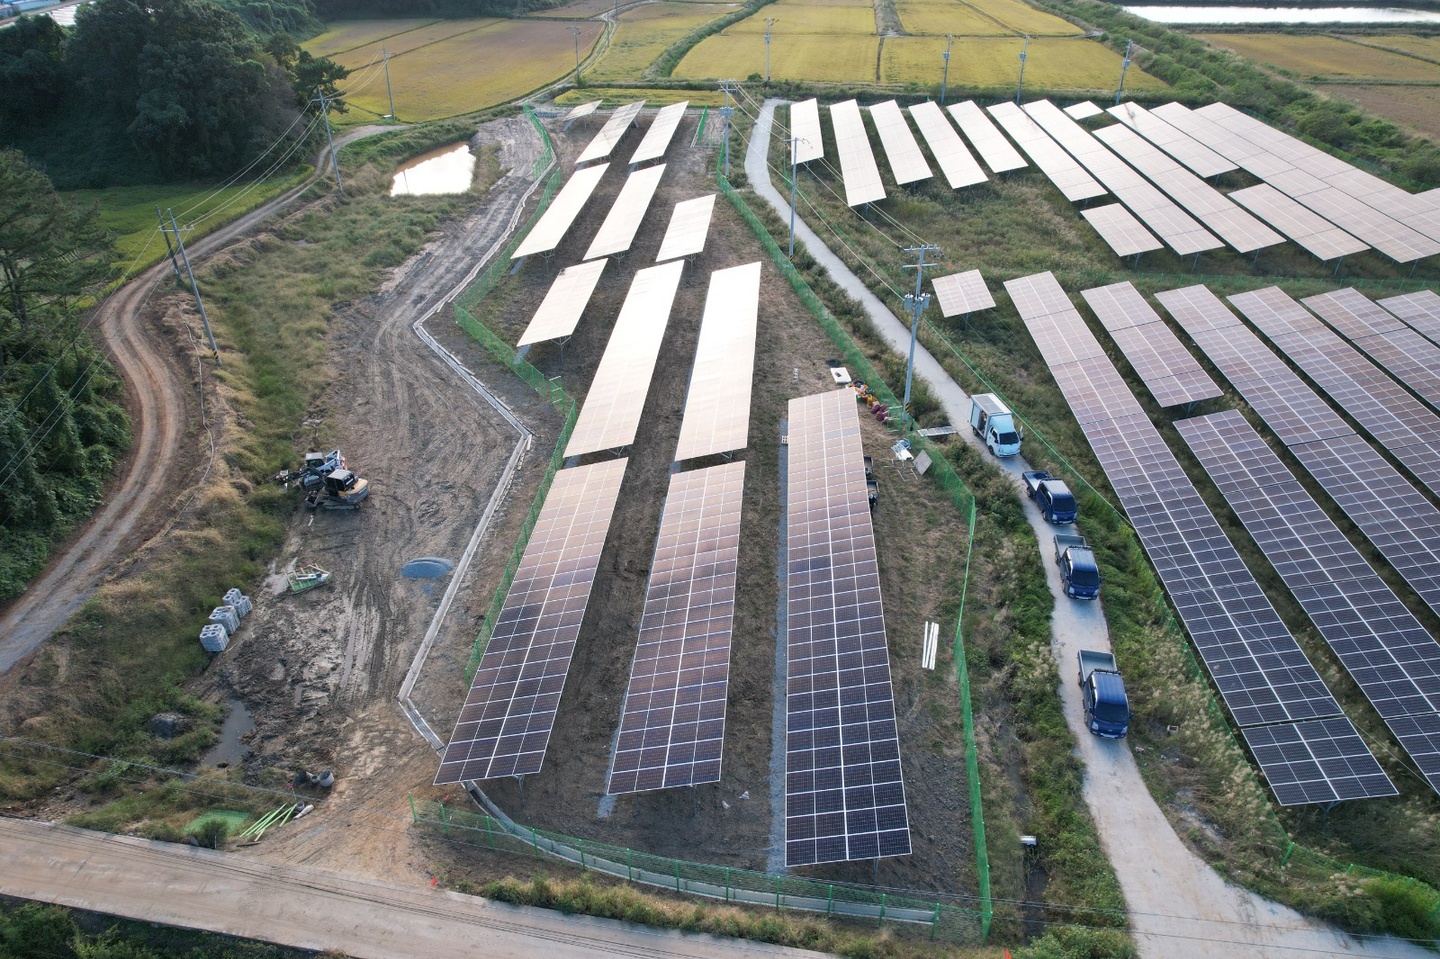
446 170
1223 14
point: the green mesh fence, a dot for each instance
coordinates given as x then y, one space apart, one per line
948 921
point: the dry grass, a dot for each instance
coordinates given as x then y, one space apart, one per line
803 18
397 44
940 17
1421 46
645 32
833 59
356 33
1053 64
1312 56
1411 107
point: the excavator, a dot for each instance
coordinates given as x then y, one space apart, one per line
327 483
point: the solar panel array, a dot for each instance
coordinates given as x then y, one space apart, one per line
989 142
672 727
611 133
662 131
1241 231
844 795
1396 517
551 228
1171 374
805 124
1398 421
560 310
903 153
717 405
962 293
1317 762
1389 654
1199 158
1308 229
1120 230
583 110
504 726
1174 226
1083 110
1067 175
857 162
616 396
959 167
689 225
1419 310
1404 353
621 223
1261 673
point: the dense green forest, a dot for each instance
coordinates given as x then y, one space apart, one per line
34 931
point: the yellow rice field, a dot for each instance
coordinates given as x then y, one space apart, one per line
1316 56
792 19
1023 18
579 10
1053 64
645 32
940 17
350 34
1424 46
413 40
615 96
832 59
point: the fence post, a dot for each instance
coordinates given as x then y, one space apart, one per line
727 883
444 820
1289 848
677 874
777 892
935 921
535 841
489 832
629 871
413 817
882 908
830 900
582 854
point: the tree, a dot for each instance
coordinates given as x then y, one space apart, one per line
32 69
309 74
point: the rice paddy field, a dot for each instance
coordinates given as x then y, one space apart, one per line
804 18
615 96
402 43
349 34
579 10
1420 46
1051 64
982 18
644 32
1410 107
1325 57
827 59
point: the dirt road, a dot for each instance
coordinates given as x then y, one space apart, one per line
203 889
159 401
1179 907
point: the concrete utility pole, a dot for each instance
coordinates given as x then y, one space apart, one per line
768 22
1021 85
194 287
575 28
388 92
174 263
794 166
334 161
945 78
726 112
916 303
1124 65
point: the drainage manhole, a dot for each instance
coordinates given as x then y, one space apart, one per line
427 567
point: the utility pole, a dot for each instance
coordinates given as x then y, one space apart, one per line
1021 85
194 287
794 166
768 22
1124 65
325 112
945 78
916 303
726 112
388 92
575 28
174 264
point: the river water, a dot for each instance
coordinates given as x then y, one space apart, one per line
1226 14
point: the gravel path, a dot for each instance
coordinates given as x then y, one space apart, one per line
1179 907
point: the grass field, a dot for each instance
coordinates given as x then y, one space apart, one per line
832 59
1410 107
469 71
1312 56
645 32
1053 64
803 18
940 17
349 34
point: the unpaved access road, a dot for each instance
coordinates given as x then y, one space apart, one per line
159 402
1179 907
202 889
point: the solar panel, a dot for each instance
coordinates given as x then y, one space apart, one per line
1199 158
1401 351
989 142
618 231
1310 230
1389 654
1241 231
1171 374
560 310
1176 228
672 727
1120 230
1067 175
1083 110
906 161
583 110
611 132
662 130
616 395
844 794
689 225
717 405
1419 310
959 167
1261 673
504 726
1383 408
547 233
962 293
857 162
805 124
1324 761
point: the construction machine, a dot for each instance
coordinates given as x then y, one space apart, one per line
327 483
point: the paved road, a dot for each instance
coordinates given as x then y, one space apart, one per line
202 889
1179 907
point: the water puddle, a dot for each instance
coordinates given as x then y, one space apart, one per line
427 567
446 170
230 751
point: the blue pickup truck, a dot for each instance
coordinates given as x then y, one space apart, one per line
1078 568
1107 710
1054 498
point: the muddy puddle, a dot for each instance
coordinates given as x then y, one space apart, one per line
448 169
230 751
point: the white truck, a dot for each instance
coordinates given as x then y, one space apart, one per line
992 421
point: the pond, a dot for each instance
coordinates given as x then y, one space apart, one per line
1224 14
449 169
229 750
